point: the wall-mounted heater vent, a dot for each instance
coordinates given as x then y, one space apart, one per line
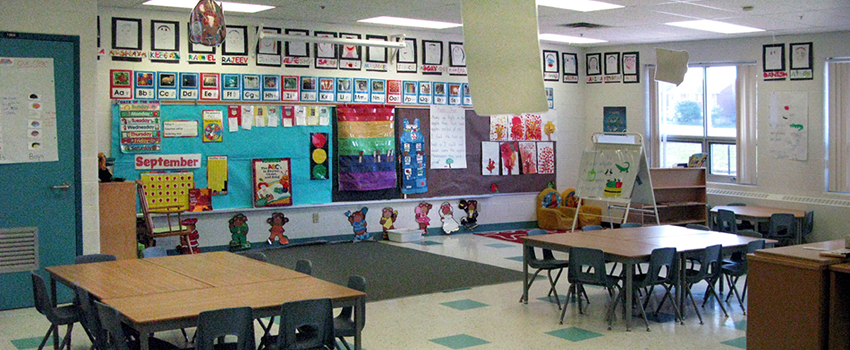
18 249
734 193
781 197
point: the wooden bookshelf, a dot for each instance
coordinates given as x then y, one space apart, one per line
118 219
679 196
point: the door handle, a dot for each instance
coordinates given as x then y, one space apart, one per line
62 186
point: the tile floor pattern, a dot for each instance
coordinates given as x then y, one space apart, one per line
485 317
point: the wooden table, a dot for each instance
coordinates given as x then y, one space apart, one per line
789 297
761 215
839 306
168 293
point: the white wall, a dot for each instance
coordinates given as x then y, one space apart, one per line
77 19
775 176
502 208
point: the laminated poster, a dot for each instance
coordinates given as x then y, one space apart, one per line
217 174
272 181
213 125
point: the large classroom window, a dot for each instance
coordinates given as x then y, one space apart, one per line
703 114
838 124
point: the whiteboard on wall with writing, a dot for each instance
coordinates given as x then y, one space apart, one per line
448 137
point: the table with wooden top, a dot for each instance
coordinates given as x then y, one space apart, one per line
761 215
166 293
789 296
839 306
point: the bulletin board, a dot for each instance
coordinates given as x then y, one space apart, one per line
240 147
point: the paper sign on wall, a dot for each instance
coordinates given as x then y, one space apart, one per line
448 137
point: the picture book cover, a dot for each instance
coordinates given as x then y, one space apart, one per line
272 182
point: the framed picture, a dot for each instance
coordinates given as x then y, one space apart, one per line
801 55
592 63
236 41
570 62
550 62
432 52
457 56
376 54
631 64
268 46
349 52
297 49
612 63
165 35
324 50
773 57
407 54
126 33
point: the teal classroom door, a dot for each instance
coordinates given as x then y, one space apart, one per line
45 195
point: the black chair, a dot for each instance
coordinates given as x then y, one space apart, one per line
92 258
726 222
661 272
304 266
591 227
783 228
344 325
709 271
698 227
587 267
58 316
116 336
630 224
217 324
304 324
548 263
808 226
735 269
259 256
89 319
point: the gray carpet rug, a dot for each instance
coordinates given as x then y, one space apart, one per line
391 271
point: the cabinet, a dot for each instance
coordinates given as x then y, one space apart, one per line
118 219
679 196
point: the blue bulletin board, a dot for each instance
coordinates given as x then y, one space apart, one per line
240 147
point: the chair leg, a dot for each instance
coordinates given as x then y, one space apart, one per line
744 292
552 289
344 343
733 289
693 302
636 297
530 282
47 336
713 292
571 292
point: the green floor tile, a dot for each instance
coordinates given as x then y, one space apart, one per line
552 300
574 334
426 243
460 341
515 258
464 304
455 290
500 245
739 325
740 343
30 343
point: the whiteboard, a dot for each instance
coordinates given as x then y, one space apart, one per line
608 172
27 110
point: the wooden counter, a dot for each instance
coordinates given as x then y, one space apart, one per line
118 219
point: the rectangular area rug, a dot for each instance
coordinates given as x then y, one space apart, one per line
391 271
511 236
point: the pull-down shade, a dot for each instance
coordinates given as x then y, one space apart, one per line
503 56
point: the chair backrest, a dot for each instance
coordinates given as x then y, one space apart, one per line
660 259
591 227
630 224
312 318
750 233
583 258
357 283
90 319
808 223
532 256
726 221
143 204
709 263
115 337
259 256
154 252
698 227
235 321
92 258
41 297
737 204
304 266
782 225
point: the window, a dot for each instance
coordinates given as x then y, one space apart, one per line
701 115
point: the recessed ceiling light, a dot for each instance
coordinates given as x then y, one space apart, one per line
715 26
578 5
569 39
226 6
409 22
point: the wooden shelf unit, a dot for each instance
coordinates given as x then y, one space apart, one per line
118 219
679 196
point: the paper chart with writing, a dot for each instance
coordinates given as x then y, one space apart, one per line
27 111
448 137
789 116
141 126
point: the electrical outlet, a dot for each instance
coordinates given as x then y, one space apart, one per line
315 218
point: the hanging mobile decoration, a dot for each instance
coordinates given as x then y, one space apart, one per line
206 24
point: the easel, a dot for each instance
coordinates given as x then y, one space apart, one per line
606 174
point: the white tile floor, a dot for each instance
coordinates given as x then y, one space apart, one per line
486 317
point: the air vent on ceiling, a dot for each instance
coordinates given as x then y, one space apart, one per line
584 25
18 249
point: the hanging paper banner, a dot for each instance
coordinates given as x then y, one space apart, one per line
288 116
448 137
413 158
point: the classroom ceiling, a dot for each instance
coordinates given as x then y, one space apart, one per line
640 21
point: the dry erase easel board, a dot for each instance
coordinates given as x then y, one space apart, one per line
240 147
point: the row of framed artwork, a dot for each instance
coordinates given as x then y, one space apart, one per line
800 57
613 67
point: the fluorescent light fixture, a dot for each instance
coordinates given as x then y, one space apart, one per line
409 22
226 6
569 39
715 26
578 5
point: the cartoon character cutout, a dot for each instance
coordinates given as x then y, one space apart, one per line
238 225
388 218
471 208
447 217
357 220
276 231
422 216
189 243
